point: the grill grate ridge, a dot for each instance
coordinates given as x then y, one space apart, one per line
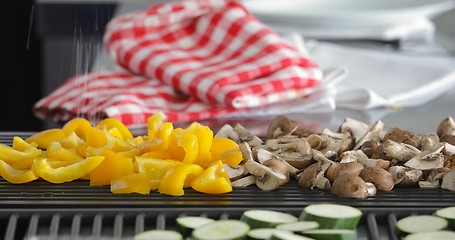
110 224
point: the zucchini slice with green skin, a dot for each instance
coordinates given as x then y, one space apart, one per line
188 223
332 216
158 234
287 236
447 213
298 226
266 218
262 233
420 223
222 230
434 235
331 234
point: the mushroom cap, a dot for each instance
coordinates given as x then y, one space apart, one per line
280 126
382 179
306 178
349 186
336 169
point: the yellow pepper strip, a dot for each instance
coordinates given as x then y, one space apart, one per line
204 137
159 154
178 177
221 145
155 169
112 167
150 145
65 174
164 133
44 138
21 145
71 141
11 155
56 151
95 137
16 176
154 123
214 180
189 143
55 163
131 183
117 144
78 126
112 123
232 157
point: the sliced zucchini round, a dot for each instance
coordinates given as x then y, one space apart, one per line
287 236
188 223
332 216
266 218
158 234
433 235
331 234
222 230
262 233
447 213
420 223
298 226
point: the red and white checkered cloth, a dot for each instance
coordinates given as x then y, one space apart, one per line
192 60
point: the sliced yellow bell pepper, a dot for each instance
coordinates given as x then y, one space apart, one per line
20 144
65 174
78 126
117 144
164 133
44 138
188 142
131 183
72 141
220 145
232 157
214 180
113 123
16 176
164 154
179 177
204 136
12 156
56 151
112 167
155 169
95 138
154 123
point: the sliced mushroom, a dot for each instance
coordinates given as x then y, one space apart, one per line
428 141
227 131
448 182
371 189
235 173
405 177
266 178
446 127
373 133
399 151
335 169
306 178
381 178
449 149
265 156
356 128
349 186
246 136
427 160
335 135
281 126
244 181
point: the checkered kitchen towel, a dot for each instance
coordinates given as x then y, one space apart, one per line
192 60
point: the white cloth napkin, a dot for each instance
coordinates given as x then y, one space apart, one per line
385 79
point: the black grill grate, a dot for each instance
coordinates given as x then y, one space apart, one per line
109 224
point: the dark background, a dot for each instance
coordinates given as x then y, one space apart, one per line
38 42
20 67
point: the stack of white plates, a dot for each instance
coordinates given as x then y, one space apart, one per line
350 19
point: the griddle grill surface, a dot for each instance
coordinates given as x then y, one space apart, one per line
74 210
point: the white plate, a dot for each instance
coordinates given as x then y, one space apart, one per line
346 12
